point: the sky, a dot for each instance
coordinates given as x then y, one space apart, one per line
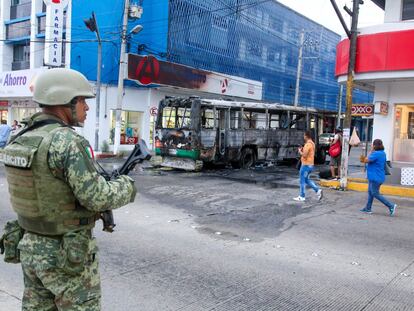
322 12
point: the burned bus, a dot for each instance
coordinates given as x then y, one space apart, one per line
190 132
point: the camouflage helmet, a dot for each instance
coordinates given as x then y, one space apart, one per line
56 87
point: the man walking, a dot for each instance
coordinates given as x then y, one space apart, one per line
58 194
4 133
307 153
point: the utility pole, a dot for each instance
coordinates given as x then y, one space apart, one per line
299 72
92 25
349 89
352 35
121 76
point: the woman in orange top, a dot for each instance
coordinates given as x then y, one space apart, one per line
307 153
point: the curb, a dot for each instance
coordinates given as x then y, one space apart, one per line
360 185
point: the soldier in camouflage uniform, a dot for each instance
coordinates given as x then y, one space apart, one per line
57 194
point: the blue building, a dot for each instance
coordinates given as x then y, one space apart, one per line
255 40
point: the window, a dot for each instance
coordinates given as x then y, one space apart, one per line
253 120
408 10
131 127
176 117
20 8
207 119
274 121
18 30
234 119
21 57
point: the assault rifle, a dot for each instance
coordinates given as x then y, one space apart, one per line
138 155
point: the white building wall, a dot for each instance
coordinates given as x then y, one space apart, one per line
393 9
394 93
6 51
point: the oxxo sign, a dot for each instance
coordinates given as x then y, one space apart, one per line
359 110
53 32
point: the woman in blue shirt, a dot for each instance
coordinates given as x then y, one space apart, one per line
376 177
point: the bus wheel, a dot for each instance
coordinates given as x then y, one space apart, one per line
247 158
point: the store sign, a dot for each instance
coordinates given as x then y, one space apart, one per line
148 70
359 110
53 31
4 103
381 107
18 83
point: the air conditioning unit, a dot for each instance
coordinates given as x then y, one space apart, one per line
135 11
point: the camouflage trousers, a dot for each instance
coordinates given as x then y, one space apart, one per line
49 287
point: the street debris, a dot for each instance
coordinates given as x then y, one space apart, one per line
246 239
218 233
194 227
173 220
404 274
354 263
315 255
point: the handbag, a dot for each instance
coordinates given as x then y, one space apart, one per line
354 141
387 168
298 164
335 150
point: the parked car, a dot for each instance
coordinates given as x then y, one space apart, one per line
325 139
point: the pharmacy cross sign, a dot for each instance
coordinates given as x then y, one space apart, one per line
362 110
56 2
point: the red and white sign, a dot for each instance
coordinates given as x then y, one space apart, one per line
385 51
153 111
18 83
224 85
359 110
53 31
149 70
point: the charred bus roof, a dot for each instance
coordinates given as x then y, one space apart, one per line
186 102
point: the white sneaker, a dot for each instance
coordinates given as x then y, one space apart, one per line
299 198
319 194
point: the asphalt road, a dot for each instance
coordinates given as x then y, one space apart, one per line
235 240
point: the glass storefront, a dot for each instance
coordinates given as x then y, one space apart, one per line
3 115
131 127
404 133
20 114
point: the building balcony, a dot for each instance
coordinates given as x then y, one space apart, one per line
17 30
383 52
20 65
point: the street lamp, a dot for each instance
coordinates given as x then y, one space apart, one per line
92 25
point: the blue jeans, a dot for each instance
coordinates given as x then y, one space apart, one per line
304 173
374 192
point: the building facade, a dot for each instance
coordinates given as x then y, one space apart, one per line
241 42
385 64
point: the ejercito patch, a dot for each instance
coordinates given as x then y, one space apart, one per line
18 161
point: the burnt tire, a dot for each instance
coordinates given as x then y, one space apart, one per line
247 158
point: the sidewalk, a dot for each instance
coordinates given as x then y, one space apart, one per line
357 178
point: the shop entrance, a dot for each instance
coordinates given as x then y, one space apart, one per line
404 133
131 127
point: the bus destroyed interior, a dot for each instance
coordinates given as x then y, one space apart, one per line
190 132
